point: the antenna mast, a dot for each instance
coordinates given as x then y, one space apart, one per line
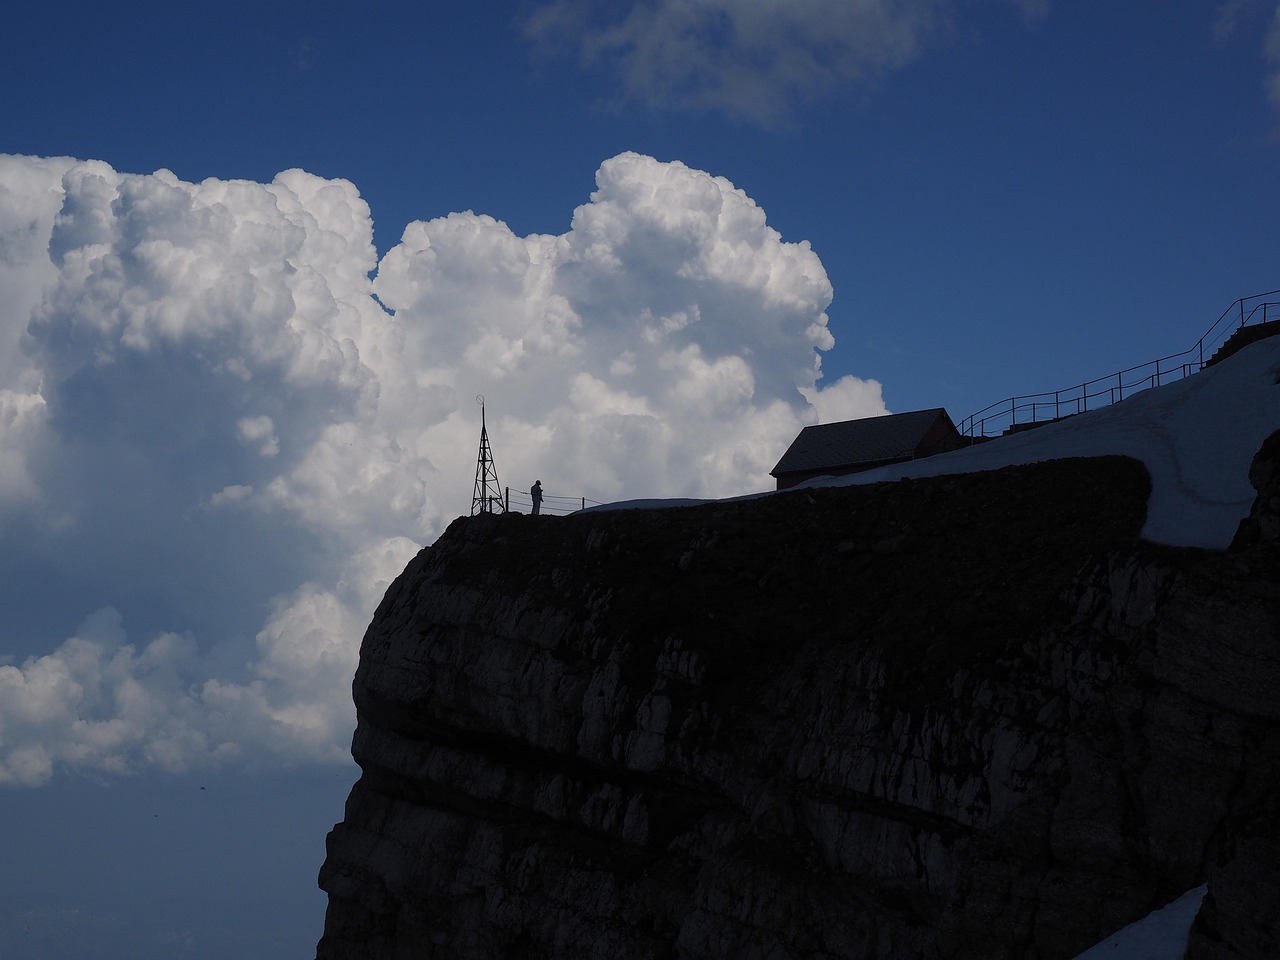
487 495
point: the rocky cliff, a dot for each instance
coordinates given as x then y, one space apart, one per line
964 717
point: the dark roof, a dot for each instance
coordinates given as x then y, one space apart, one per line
851 442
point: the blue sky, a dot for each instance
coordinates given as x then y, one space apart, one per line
218 446
1029 198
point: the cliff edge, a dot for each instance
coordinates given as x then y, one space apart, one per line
961 717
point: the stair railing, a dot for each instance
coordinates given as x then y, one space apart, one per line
1015 412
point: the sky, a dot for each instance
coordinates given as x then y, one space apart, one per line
258 261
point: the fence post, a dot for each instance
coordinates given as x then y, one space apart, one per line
506 506
584 502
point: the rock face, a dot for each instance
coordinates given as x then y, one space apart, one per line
965 717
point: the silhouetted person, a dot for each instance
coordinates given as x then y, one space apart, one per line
536 493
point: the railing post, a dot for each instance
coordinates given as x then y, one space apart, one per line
506 505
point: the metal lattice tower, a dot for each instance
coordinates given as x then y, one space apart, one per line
487 495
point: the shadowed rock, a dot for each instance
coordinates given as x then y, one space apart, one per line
961 717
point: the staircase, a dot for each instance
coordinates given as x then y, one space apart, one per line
1242 338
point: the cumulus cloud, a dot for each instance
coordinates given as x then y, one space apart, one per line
659 345
21 421
833 402
30 197
227 426
750 59
96 703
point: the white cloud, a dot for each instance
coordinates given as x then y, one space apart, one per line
847 399
232 493
30 197
682 315
213 426
96 703
259 431
750 59
21 423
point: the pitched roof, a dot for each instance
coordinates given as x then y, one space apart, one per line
851 442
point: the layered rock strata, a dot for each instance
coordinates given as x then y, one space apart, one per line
963 717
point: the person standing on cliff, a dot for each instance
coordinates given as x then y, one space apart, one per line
536 493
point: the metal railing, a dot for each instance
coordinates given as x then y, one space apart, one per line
1014 413
556 506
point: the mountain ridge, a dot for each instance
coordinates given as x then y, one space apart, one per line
963 716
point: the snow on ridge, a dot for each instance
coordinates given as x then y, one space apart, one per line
1161 935
1197 438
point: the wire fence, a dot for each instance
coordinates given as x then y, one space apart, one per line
517 501
1015 413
